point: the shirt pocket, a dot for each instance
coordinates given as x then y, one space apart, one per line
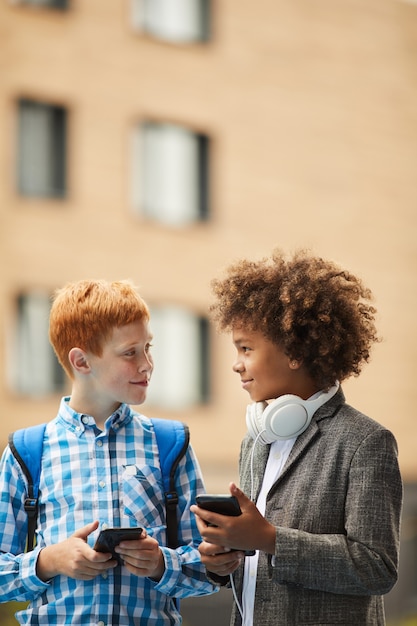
143 498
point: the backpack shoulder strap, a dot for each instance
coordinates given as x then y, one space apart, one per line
26 445
172 438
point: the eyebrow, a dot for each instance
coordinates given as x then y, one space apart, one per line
131 344
241 340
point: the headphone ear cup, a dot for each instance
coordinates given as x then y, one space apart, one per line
254 419
285 418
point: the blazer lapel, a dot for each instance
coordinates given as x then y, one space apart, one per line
300 444
304 440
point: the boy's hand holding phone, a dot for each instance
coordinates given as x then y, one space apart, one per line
245 531
222 504
110 538
134 549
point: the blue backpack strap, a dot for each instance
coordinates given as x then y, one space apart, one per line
172 438
26 445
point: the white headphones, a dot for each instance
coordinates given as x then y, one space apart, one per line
284 418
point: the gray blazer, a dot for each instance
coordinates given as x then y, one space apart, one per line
337 507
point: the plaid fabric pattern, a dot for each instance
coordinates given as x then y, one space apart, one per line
113 476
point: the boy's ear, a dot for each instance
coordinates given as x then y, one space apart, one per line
78 360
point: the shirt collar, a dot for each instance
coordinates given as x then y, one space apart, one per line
78 422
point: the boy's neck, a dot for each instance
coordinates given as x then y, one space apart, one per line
88 406
303 385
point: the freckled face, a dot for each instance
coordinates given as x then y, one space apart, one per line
123 371
263 367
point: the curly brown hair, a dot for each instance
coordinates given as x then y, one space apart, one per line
315 311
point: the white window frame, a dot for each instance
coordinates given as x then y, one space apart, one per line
41 149
34 368
51 4
170 174
175 21
180 353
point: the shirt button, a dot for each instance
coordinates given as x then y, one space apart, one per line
85 419
99 443
101 624
102 484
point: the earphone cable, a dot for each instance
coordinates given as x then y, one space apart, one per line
232 583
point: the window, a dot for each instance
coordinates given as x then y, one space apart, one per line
170 174
181 357
35 369
41 149
55 4
177 21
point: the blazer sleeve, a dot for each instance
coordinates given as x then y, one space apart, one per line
363 559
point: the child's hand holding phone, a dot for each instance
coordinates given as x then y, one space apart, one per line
224 505
109 538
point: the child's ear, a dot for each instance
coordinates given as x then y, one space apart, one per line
78 360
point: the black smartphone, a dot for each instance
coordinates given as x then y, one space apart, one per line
109 538
223 504
219 503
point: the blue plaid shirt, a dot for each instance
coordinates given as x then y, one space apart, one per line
113 476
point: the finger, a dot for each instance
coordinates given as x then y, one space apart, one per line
143 543
222 567
99 566
101 557
82 533
201 524
138 542
227 570
212 549
205 518
238 493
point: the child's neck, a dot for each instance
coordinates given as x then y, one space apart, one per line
304 387
100 411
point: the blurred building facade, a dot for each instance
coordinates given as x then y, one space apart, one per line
159 140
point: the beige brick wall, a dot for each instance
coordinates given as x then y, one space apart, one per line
311 111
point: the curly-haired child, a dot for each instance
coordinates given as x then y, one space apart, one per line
321 489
